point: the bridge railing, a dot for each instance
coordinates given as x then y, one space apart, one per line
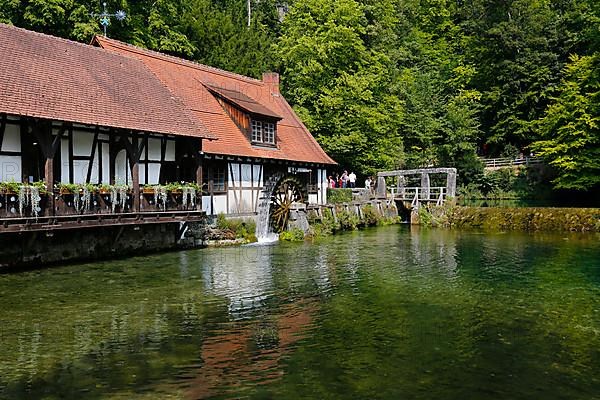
417 194
509 162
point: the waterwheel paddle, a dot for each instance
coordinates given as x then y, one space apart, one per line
288 191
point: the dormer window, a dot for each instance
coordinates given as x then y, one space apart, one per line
254 119
263 132
269 132
257 131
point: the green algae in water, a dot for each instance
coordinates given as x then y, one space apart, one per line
381 313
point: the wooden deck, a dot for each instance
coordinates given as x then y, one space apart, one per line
73 222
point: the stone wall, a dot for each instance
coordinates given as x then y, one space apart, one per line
38 249
524 219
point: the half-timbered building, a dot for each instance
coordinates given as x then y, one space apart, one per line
258 132
113 114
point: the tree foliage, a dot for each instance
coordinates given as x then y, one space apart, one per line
390 83
571 126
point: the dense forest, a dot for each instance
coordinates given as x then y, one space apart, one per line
392 83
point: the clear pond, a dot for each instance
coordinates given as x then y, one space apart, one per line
387 313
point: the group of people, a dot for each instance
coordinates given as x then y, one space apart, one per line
347 180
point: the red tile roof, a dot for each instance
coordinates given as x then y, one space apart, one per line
242 101
188 81
47 77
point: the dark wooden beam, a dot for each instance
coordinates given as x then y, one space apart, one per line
71 167
91 163
134 150
2 130
199 171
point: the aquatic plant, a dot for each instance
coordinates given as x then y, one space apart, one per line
370 216
347 220
294 235
243 228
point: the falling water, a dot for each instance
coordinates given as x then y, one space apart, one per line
264 231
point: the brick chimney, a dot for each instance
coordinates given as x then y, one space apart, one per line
272 80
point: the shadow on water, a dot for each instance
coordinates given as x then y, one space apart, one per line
382 313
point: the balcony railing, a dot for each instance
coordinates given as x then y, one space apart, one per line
38 203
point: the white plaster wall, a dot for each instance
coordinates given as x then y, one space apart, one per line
64 157
121 168
82 143
258 179
219 204
10 169
170 151
10 166
12 138
233 173
246 178
80 169
153 149
153 173
206 205
105 163
323 185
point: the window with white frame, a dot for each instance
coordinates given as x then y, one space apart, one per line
269 132
257 131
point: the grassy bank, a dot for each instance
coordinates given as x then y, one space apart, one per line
346 221
515 219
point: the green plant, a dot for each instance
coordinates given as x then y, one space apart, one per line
338 196
68 187
243 228
425 217
294 235
10 187
370 217
347 220
41 186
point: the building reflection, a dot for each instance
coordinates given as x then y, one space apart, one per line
242 275
249 352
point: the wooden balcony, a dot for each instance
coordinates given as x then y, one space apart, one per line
76 210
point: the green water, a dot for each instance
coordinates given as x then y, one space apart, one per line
386 313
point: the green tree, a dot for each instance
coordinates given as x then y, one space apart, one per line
570 127
342 89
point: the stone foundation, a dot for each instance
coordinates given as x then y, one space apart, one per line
38 249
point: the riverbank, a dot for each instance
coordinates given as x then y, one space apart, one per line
527 219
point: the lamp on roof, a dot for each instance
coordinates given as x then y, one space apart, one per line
104 16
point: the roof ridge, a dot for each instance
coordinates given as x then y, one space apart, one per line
181 61
46 35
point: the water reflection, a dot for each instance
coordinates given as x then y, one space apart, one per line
385 313
242 275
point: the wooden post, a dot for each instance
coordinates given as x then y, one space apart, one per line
42 130
135 181
199 171
135 173
425 186
134 151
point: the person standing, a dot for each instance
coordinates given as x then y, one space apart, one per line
352 179
331 183
345 179
368 183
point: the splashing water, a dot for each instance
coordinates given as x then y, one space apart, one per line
264 231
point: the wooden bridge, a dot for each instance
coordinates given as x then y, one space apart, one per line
413 196
497 163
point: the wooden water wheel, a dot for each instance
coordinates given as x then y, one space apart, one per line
288 191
